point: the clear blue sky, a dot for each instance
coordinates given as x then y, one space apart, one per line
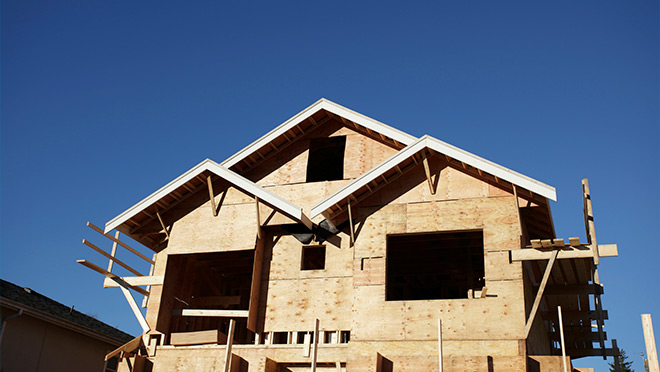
103 102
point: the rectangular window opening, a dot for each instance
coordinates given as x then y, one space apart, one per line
434 266
326 159
313 257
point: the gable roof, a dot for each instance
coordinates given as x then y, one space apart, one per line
428 142
40 306
348 116
287 208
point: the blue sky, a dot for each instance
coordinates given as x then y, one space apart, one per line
103 102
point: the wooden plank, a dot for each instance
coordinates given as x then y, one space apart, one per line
574 242
111 258
134 306
162 224
113 252
230 342
209 184
562 344
213 313
350 221
315 345
255 286
256 203
215 301
439 345
539 294
128 347
112 276
427 171
589 225
649 340
213 336
583 251
307 341
135 281
120 243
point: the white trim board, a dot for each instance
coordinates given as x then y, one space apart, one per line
446 149
238 181
322 104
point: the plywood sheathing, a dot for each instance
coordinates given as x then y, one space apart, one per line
289 166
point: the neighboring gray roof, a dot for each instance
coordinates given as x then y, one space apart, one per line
32 300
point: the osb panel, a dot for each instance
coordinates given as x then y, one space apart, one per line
292 305
285 260
499 316
234 228
211 358
305 195
495 216
413 186
289 166
373 225
369 271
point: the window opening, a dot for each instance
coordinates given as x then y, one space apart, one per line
434 266
313 257
326 159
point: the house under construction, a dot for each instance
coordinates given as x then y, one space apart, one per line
338 243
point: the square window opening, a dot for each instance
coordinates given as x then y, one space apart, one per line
313 257
434 266
326 159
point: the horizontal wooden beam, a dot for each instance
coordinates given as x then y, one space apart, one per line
112 258
135 281
574 315
212 313
578 353
112 276
197 338
571 337
582 251
93 227
574 289
128 347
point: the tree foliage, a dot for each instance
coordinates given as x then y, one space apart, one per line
624 364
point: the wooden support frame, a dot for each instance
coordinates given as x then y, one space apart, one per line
568 252
128 347
114 277
113 252
315 345
589 219
135 281
93 227
350 220
162 224
440 345
561 335
211 313
112 258
230 342
427 171
649 340
209 184
539 294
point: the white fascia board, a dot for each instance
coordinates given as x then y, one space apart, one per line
240 182
488 166
443 148
322 104
372 174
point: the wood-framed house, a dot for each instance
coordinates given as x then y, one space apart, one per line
336 242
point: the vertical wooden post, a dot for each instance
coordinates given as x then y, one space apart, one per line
113 252
256 202
350 221
617 364
561 338
427 170
211 195
315 345
649 339
230 342
439 345
589 219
